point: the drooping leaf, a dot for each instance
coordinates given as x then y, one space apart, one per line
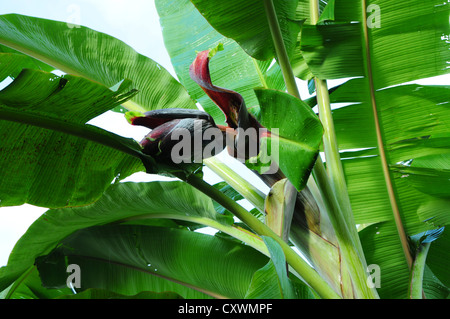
265 284
429 174
105 294
50 157
128 259
435 211
125 202
96 56
326 10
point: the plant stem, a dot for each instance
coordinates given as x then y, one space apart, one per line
356 265
239 233
340 211
347 237
280 49
240 184
84 131
334 170
308 274
418 267
289 80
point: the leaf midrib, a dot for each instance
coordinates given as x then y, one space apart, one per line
109 261
380 143
129 105
84 131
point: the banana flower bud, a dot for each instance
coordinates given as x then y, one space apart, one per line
179 135
233 106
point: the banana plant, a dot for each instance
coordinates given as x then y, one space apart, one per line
359 195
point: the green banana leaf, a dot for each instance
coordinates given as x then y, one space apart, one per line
14 62
154 203
95 56
300 133
429 174
381 248
106 294
231 17
404 45
120 201
397 46
413 120
332 52
128 259
50 157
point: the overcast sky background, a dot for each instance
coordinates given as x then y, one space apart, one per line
135 22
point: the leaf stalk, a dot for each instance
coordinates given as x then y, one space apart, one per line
346 232
240 184
418 268
308 274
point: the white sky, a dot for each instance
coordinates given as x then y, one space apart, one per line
133 21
